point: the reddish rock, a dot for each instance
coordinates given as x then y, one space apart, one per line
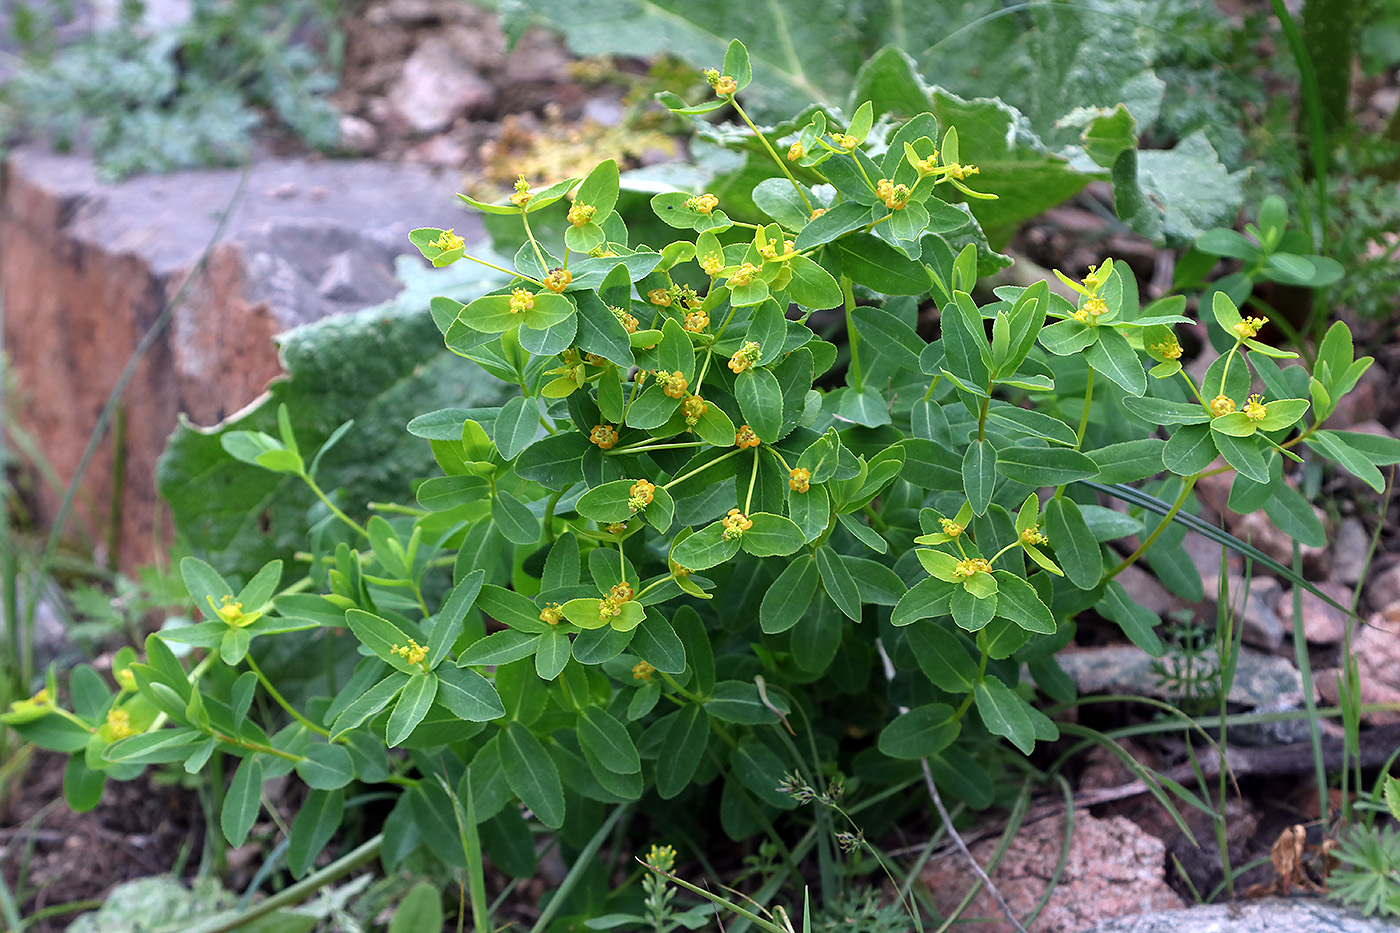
1323 623
87 268
1114 869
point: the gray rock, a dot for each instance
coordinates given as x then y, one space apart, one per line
1262 626
1349 549
437 87
1272 915
1323 623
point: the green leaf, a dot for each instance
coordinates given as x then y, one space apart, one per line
1076 548
420 910
1049 466
326 767
706 548
657 643
811 286
1115 358
1294 516
979 474
1190 449
771 536
761 402
531 774
1018 602
552 653
1129 461
1243 453
380 636
514 519
973 610
242 801
838 582
315 824
1138 622
942 657
469 695
516 426
682 748
1334 447
923 731
1004 713
926 599
787 600
157 747
413 705
607 740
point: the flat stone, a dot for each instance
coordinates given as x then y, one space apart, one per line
1255 609
1323 623
1260 679
1350 546
1383 586
438 86
1270 915
86 267
1113 869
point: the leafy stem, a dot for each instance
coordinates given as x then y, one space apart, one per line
335 509
1151 539
782 166
281 701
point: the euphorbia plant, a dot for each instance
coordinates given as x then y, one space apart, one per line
700 527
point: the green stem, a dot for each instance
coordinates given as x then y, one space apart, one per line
534 244
1156 532
281 701
700 469
753 478
773 153
510 272
1084 415
852 335
335 510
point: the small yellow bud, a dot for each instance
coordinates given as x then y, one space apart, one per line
126 680
735 524
673 384
642 671
1249 327
744 275
950 528
119 723
693 408
894 196
795 152
448 241
1221 405
604 435
702 204
745 357
845 141
581 214
558 279
816 213
628 322
971 567
642 493
662 858
678 571
1095 306
712 264
522 194
1034 536
412 652
1168 349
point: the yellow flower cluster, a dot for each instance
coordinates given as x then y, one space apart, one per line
1249 327
230 611
800 479
745 356
552 613
628 322
744 275
701 204
735 524
610 606
696 322
1034 536
412 652
522 299
745 437
642 671
971 566
950 528
1255 409
604 435
694 409
795 152
119 722
894 196
673 384
522 194
581 214
769 250
1169 349
447 241
1221 405
660 297
558 279
642 493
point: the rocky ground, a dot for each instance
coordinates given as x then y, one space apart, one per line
431 82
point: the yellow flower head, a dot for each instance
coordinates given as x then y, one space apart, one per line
642 493
701 204
448 241
522 194
1249 327
894 196
735 524
558 279
604 435
972 566
229 610
817 212
522 299
746 356
642 671
126 680
845 141
662 858
581 214
745 437
726 87
552 613
712 264
412 652
119 722
744 275
661 297
960 171
927 166
795 152
628 322
1097 277
1254 408
1095 306
673 384
610 606
693 408
800 479
950 528
696 322
1169 349
678 571
1034 536
1221 405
